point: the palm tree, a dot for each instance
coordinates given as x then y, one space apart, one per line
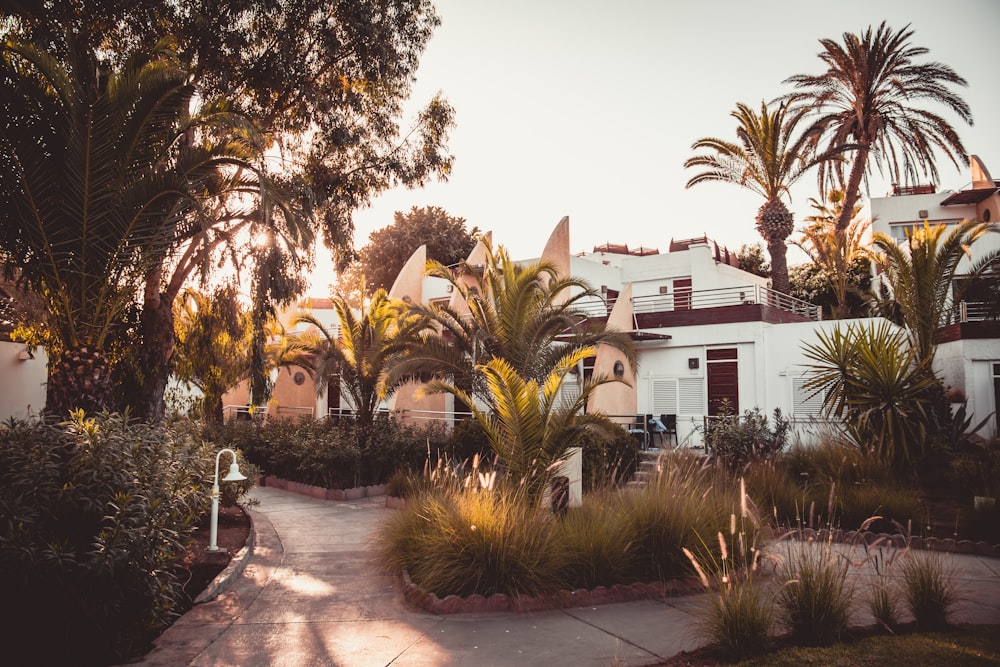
921 276
213 333
526 315
835 251
866 103
526 422
358 351
767 159
104 175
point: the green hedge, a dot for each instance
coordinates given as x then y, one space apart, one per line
95 517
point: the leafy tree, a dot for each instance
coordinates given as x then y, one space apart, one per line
767 159
751 259
526 315
98 181
867 102
526 423
921 277
329 98
813 283
839 254
213 332
358 351
446 238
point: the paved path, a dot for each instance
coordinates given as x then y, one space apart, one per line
311 595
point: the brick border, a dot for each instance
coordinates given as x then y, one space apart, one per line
898 540
581 597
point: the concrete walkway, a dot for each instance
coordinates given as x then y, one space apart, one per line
311 595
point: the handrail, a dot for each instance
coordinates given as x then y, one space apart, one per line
709 298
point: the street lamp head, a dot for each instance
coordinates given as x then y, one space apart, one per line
234 474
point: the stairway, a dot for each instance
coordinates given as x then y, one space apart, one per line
646 468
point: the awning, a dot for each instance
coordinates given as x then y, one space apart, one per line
966 197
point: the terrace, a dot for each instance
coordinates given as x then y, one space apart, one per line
745 303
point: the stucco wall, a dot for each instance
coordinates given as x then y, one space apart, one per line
22 390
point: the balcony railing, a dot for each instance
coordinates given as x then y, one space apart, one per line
973 311
710 298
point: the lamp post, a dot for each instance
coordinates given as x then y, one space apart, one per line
234 476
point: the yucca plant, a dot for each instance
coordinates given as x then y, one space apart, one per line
874 380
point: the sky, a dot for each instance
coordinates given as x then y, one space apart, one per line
588 109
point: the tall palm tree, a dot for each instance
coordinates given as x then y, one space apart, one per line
527 315
835 251
101 179
358 351
921 276
866 102
767 158
526 422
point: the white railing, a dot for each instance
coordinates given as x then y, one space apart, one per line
710 298
972 311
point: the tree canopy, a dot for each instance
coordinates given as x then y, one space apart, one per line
321 85
447 239
868 102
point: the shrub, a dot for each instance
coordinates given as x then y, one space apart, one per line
928 589
331 453
741 440
472 540
738 618
596 543
882 595
96 516
814 597
687 498
609 463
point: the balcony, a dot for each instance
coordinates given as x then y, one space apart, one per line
727 304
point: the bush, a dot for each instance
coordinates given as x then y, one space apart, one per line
331 453
465 541
928 589
96 516
460 535
609 463
742 440
814 597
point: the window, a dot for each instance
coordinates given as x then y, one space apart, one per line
806 403
682 294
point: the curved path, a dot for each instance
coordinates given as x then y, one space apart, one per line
311 595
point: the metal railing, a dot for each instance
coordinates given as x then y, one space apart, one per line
972 311
710 298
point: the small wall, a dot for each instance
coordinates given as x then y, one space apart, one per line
22 391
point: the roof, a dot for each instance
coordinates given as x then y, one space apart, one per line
973 196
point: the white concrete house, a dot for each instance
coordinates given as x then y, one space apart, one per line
968 354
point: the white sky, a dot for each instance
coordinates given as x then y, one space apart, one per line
589 109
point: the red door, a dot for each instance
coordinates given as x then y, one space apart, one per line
723 380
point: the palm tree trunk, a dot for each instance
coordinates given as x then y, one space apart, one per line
852 191
779 266
79 378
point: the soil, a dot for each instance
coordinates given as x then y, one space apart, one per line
201 566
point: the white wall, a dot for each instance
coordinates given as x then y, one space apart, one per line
22 389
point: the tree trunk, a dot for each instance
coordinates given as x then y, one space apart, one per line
156 353
852 191
779 266
79 378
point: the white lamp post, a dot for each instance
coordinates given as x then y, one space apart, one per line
234 476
